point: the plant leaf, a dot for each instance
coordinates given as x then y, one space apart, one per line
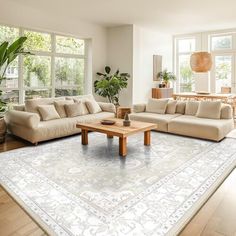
107 69
3 50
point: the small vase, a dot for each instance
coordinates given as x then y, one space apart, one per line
126 121
3 130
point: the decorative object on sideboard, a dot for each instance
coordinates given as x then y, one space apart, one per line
109 85
201 62
8 53
126 121
166 77
157 67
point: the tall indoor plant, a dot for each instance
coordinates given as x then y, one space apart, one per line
8 53
109 85
166 77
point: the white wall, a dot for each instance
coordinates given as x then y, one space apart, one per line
146 44
120 56
19 14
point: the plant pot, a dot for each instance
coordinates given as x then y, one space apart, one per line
3 130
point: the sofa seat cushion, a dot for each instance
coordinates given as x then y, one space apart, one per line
161 120
205 128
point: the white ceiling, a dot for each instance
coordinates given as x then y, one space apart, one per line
172 16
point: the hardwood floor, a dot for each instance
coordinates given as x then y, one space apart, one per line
216 218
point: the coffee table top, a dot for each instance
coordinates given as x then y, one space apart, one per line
117 129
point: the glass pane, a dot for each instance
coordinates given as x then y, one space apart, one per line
38 93
10 96
69 45
37 41
221 42
11 76
185 74
8 34
186 45
223 72
37 71
69 72
68 92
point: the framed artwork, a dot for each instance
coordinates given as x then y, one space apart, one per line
157 66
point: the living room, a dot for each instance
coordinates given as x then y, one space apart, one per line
117 117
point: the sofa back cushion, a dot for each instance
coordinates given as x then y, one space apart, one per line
171 107
75 109
209 109
31 105
180 107
48 112
93 106
157 105
59 105
191 108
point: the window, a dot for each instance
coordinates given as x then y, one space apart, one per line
56 67
221 42
184 49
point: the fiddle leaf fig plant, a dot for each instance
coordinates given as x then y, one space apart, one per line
8 53
109 85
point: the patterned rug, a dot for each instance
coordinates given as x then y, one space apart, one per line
70 189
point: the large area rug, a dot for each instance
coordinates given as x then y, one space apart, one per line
72 189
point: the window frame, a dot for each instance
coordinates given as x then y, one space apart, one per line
53 55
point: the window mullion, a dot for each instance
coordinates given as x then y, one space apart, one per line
20 75
53 74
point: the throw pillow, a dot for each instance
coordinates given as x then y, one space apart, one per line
75 109
157 105
209 109
93 106
171 107
180 107
48 112
82 100
59 105
191 108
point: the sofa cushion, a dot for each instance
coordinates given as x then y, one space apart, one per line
31 105
48 112
93 106
109 107
205 128
209 109
75 109
171 107
139 107
180 107
226 111
161 120
191 108
157 105
59 105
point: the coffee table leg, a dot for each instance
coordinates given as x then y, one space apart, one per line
123 146
84 137
147 138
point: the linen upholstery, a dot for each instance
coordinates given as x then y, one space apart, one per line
161 119
209 110
48 112
93 106
214 129
139 107
171 107
226 112
75 109
59 105
157 105
22 118
20 107
180 107
191 108
109 107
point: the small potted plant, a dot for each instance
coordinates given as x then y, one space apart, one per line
166 77
8 53
109 85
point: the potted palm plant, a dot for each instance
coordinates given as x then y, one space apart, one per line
8 53
109 85
166 77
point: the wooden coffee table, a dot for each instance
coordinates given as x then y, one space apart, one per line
118 130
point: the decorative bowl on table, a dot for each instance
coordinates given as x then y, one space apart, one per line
108 122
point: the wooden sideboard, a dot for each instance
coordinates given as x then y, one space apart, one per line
162 93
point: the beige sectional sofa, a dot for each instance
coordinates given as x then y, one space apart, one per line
26 121
206 120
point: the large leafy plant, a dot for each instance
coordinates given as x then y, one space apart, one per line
109 85
8 53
